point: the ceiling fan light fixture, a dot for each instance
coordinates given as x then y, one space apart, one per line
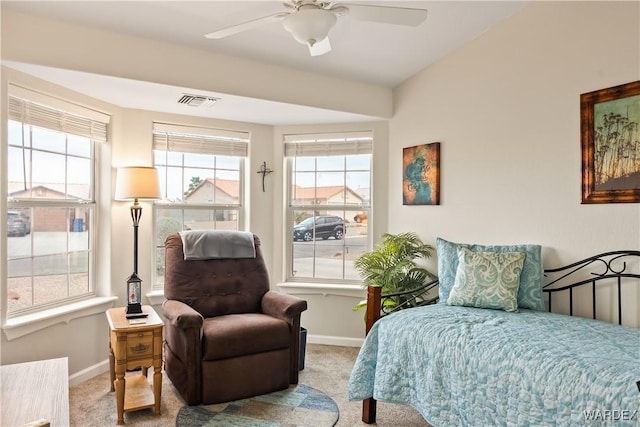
309 26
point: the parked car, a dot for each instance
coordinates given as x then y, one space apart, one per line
325 226
18 224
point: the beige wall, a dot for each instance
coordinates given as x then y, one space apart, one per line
506 110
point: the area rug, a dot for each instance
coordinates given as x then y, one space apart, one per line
298 406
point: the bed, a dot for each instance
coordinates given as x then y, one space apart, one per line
467 365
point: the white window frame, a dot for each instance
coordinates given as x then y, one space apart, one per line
35 109
319 145
203 140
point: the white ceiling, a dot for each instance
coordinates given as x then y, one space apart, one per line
374 53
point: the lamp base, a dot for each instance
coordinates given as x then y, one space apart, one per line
136 316
134 311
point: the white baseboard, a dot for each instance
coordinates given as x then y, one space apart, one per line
88 373
339 341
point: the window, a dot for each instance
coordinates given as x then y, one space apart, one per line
329 204
200 173
51 203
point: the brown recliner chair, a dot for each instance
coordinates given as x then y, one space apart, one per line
227 335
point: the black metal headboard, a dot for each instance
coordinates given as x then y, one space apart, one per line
606 268
609 267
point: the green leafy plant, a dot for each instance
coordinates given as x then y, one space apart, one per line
392 266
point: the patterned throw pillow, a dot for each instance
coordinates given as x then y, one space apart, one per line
487 280
530 290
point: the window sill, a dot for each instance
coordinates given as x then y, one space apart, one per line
156 297
294 288
324 289
20 326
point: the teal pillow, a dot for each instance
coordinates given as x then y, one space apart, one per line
487 279
530 289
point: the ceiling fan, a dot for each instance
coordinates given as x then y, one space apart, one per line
309 21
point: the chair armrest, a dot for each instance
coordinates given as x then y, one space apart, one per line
180 315
288 308
282 305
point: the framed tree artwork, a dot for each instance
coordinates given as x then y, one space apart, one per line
610 139
421 174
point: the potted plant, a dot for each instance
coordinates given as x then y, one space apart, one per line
392 266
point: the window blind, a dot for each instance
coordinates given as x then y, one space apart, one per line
61 120
188 139
328 144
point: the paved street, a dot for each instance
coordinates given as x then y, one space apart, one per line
329 255
49 254
49 251
328 248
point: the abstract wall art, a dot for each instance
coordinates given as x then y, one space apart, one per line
421 174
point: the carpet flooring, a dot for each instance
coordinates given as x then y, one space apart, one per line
327 369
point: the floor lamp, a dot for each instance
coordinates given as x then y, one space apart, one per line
135 183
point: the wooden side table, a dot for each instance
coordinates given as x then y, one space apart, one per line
133 345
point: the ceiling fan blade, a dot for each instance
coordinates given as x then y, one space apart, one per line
320 48
386 14
249 25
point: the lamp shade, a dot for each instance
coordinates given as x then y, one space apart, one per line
309 26
137 182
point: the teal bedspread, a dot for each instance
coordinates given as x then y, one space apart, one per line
477 367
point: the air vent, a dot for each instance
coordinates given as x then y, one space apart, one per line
197 100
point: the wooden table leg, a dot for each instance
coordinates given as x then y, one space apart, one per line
120 386
157 369
112 368
157 386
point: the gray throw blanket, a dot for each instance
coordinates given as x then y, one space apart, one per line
215 244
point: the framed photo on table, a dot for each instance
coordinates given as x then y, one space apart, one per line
610 140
